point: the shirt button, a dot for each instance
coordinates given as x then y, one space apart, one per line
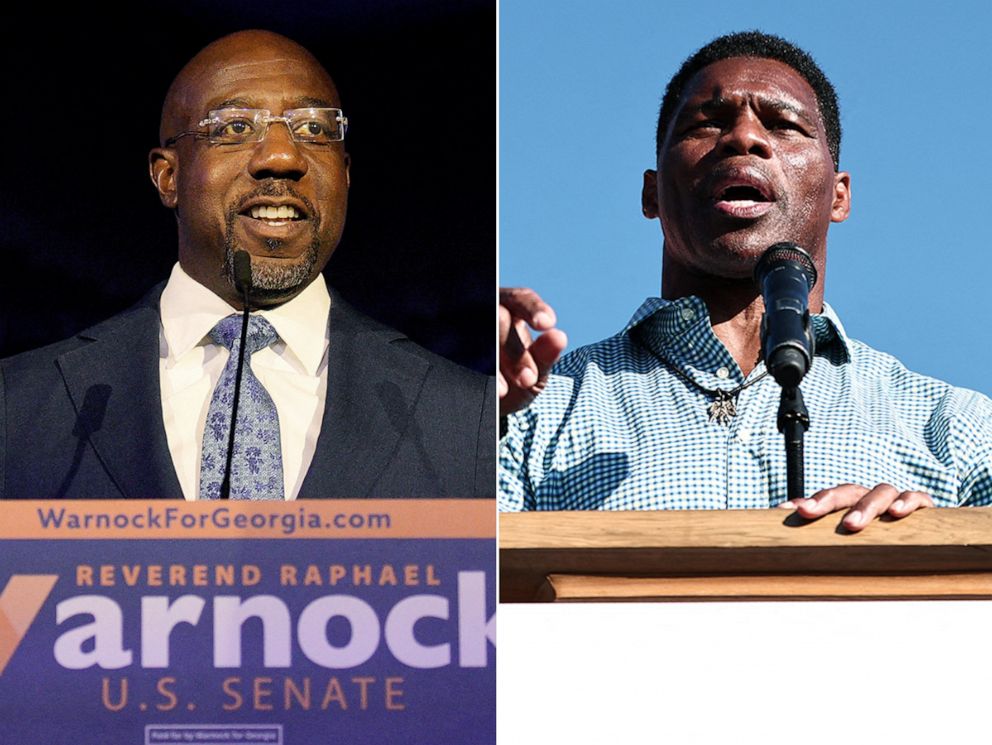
522 424
723 373
688 314
744 435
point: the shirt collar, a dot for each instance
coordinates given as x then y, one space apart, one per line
189 311
670 318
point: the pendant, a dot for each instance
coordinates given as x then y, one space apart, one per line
723 409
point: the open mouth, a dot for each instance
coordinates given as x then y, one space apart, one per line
743 196
742 193
274 215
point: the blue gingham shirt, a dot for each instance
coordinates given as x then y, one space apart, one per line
616 429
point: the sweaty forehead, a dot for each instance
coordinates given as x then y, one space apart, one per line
749 78
274 78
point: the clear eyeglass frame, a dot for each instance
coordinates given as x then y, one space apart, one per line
231 126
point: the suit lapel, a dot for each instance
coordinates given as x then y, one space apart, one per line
114 384
372 390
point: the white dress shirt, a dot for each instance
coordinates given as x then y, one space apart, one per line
293 370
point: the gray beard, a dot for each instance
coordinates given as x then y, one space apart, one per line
269 281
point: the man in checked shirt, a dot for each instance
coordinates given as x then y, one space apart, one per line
748 152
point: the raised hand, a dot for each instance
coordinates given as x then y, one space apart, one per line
524 362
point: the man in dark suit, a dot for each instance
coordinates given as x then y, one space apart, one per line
252 159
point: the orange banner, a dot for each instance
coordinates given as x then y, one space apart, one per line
339 518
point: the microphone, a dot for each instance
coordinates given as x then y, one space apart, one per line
785 274
242 283
242 273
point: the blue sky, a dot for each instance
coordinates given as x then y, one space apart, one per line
580 84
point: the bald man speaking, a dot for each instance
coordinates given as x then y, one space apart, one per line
252 160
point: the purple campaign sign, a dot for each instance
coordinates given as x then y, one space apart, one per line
268 640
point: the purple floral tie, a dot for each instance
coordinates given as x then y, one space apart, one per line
256 467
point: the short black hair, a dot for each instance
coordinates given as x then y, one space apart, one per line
765 46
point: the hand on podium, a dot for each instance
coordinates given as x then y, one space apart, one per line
863 504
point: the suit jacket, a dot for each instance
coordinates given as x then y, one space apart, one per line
82 418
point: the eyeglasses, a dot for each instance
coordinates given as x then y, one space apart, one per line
239 126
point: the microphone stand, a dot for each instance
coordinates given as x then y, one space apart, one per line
793 421
785 275
242 273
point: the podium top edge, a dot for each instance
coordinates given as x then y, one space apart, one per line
770 528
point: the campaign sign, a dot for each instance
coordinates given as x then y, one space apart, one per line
346 621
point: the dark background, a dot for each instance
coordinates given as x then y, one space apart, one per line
83 234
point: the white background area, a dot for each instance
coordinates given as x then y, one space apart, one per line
770 672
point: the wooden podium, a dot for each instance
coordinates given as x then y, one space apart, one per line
742 555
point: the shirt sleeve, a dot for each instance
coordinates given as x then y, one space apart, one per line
969 438
976 488
514 491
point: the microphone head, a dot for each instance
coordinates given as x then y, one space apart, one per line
242 271
785 253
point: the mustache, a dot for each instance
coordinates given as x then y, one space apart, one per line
271 188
